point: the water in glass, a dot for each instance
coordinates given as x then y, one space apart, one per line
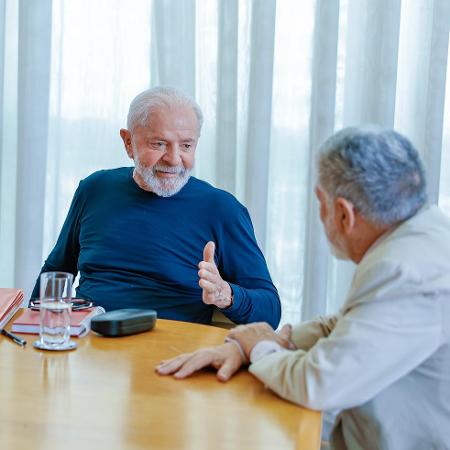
55 323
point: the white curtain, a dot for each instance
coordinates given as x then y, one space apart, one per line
274 79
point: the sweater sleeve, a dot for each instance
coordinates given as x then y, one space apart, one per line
64 256
242 265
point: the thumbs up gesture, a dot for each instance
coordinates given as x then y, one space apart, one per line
216 291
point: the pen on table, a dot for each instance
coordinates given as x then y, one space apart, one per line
13 337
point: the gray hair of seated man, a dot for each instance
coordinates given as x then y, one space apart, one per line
144 103
378 170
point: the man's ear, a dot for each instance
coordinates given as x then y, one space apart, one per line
344 215
126 138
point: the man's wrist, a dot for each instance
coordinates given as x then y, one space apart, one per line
231 299
239 347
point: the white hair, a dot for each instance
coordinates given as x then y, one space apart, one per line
378 170
144 103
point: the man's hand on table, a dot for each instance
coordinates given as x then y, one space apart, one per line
249 335
227 358
216 291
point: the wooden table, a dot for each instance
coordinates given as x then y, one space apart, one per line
106 395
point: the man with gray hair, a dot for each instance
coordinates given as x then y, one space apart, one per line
137 235
384 360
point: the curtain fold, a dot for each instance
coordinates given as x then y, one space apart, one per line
8 143
320 127
2 58
227 95
422 71
174 55
35 19
434 117
288 180
371 62
260 114
4 263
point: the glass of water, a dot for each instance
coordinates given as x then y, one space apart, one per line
55 309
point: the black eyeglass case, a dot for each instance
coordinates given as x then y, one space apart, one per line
123 322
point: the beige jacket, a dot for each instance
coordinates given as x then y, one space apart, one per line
384 360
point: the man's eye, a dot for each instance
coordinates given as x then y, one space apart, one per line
158 145
187 147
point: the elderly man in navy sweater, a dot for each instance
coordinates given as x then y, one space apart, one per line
137 235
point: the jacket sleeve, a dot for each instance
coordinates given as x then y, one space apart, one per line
242 264
305 335
390 327
64 256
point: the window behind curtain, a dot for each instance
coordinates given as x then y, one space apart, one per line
102 56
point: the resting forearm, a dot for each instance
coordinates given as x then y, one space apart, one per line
306 334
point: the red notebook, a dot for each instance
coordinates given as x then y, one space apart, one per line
80 321
10 301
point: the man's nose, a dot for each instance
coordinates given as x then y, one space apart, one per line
172 156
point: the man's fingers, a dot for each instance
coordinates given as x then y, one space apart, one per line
210 267
172 365
226 358
210 288
208 252
285 335
198 361
229 367
208 276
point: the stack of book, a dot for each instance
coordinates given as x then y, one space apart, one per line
80 321
10 302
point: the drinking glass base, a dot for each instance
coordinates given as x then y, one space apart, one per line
71 345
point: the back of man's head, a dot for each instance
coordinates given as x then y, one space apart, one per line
378 170
147 101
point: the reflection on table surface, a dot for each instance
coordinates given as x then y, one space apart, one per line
106 394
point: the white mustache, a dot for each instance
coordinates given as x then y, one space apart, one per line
168 169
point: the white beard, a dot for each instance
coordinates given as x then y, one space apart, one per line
331 234
337 252
163 187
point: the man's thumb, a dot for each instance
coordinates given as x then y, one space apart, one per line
285 332
208 252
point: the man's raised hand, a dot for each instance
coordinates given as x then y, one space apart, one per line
216 291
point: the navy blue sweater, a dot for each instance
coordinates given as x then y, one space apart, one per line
134 249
